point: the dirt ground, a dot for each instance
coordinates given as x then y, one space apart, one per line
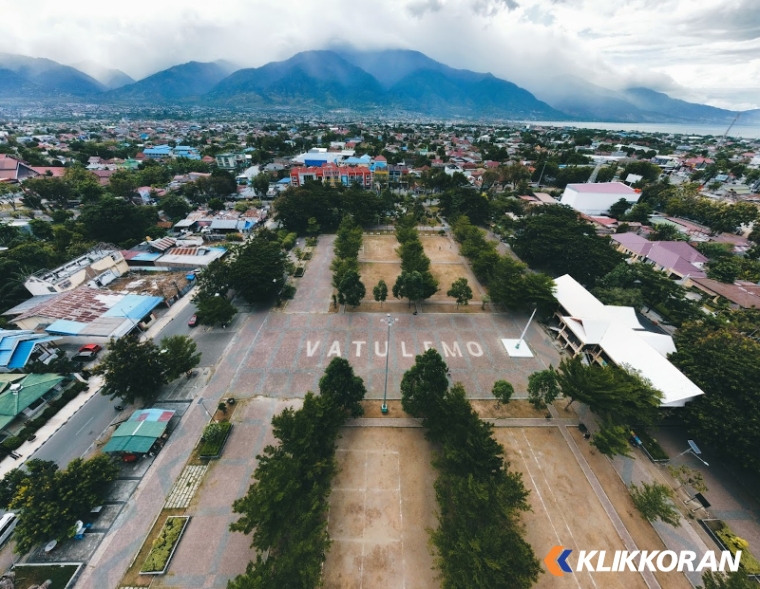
446 274
379 248
381 505
440 249
642 532
566 511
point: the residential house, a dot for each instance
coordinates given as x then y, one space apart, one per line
611 335
97 267
677 259
25 396
18 347
231 161
14 170
739 295
85 315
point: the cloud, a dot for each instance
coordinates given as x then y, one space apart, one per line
490 8
670 45
420 7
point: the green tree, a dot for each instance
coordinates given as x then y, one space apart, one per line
543 388
41 229
380 292
557 240
312 227
617 210
724 269
122 183
214 309
260 183
115 220
665 232
216 204
611 440
460 291
640 213
214 279
653 503
133 370
343 387
54 190
258 270
351 289
50 501
179 354
175 207
502 392
415 286
725 419
424 385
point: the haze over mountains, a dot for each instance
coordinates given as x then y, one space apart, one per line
347 78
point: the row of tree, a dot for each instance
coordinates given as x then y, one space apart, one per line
415 282
285 510
49 501
509 282
345 266
480 540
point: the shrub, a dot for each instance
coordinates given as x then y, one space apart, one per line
12 443
27 432
733 543
46 414
288 292
652 446
213 438
163 545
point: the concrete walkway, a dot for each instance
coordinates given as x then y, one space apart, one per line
501 422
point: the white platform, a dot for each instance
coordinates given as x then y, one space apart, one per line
511 346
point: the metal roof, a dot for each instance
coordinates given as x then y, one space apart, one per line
32 388
139 432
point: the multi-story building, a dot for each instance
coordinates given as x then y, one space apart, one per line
96 268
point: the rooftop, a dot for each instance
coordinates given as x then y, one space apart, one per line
603 188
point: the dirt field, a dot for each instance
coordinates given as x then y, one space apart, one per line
378 248
446 274
440 249
380 507
565 510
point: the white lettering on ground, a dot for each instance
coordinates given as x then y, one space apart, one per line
452 352
377 350
427 345
474 349
334 349
311 350
403 351
359 345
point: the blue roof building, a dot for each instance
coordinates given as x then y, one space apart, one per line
158 152
17 347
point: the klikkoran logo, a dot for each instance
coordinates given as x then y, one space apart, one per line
595 561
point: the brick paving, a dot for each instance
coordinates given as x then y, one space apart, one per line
185 487
313 292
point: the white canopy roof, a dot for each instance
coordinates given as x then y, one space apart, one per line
618 332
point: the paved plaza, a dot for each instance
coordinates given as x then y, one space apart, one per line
292 351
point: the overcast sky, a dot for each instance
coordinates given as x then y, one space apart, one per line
700 50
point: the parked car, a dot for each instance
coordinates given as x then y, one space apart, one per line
87 352
193 321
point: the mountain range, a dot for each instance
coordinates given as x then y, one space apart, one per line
390 80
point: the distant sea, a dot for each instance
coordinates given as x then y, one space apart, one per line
746 132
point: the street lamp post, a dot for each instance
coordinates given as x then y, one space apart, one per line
200 402
388 321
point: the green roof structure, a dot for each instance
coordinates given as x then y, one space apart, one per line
139 432
16 394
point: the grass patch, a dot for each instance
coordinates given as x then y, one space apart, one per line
652 446
132 577
163 546
214 437
32 574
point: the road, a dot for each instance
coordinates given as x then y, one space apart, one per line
74 439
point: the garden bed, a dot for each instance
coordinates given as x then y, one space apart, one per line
726 539
299 272
61 575
653 448
214 439
164 545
